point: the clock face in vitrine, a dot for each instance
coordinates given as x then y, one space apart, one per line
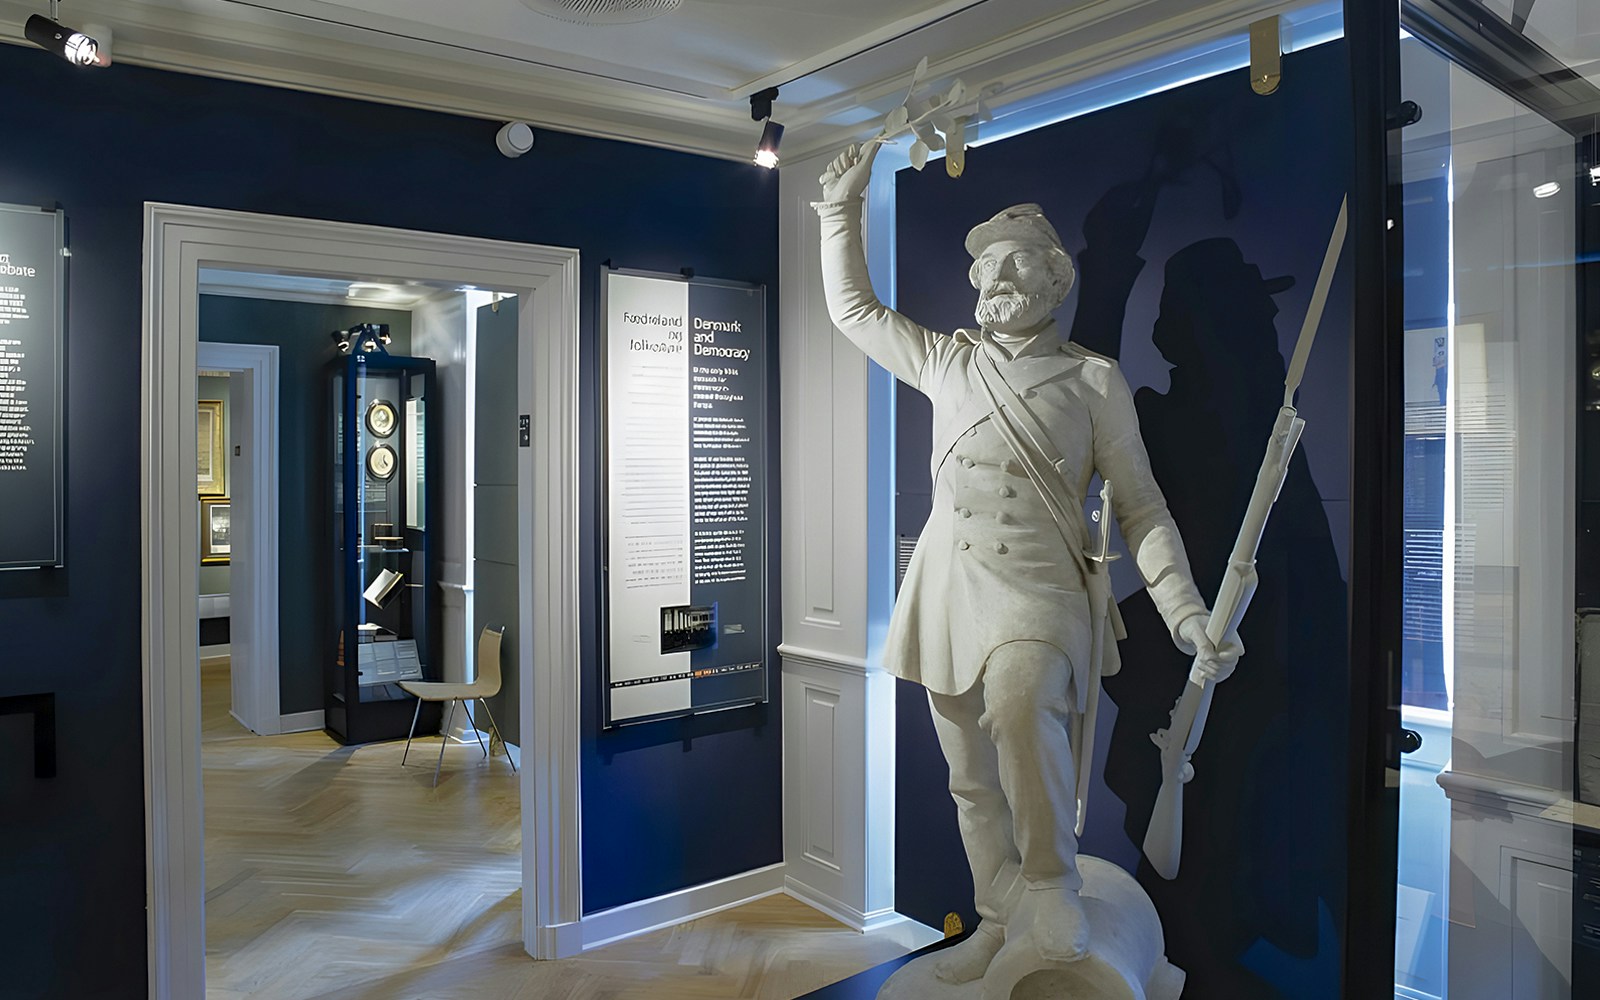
380 418
381 462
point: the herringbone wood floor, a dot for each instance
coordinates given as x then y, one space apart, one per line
334 874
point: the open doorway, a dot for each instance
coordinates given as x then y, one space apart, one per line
264 790
186 244
237 488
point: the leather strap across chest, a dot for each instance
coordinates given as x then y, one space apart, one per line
1030 442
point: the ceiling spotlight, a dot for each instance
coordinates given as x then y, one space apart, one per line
771 133
1549 189
69 43
364 337
1594 176
767 148
761 103
514 139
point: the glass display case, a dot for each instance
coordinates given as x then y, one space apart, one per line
382 586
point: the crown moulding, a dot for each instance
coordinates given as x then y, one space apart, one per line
836 104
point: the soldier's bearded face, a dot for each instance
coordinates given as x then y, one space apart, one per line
1015 287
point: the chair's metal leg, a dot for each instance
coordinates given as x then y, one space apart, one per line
496 730
414 714
475 732
444 740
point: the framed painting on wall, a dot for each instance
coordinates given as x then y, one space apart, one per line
211 457
215 536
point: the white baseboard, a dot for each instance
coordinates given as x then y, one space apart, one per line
912 935
647 915
300 722
221 651
897 926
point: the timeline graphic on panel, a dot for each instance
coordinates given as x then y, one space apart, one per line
30 387
686 523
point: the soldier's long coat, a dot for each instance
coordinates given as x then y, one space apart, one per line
991 566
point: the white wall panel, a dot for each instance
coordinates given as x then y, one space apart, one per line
837 506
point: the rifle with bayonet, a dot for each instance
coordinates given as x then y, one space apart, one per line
1163 842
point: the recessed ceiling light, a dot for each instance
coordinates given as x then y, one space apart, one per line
1549 189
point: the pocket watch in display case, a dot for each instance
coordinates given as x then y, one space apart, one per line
380 418
381 462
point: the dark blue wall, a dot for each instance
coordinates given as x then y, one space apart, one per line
1153 198
305 542
664 806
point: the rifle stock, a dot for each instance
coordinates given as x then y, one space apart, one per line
1163 840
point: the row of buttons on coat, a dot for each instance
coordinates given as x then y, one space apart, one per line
1005 492
999 547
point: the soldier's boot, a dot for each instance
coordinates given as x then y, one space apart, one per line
1054 918
969 960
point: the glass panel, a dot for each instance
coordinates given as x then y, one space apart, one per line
1493 844
387 640
1567 29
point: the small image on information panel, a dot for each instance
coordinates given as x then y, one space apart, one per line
685 627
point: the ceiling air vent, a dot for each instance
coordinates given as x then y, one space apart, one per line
604 11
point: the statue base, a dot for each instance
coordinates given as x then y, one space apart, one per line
1126 958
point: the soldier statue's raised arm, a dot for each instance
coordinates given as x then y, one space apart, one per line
995 616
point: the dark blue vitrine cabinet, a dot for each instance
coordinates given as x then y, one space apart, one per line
384 585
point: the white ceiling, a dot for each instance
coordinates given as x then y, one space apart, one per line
682 80
716 50
305 288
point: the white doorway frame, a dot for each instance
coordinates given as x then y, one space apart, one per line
253 493
179 240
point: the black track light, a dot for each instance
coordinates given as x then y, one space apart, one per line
761 104
365 338
767 148
69 43
771 133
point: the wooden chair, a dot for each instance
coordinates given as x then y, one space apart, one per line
486 685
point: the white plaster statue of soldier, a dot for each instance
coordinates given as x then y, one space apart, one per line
994 617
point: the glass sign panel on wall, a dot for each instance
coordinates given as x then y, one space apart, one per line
32 305
686 522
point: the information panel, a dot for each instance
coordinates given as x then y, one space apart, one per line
686 505
31 307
